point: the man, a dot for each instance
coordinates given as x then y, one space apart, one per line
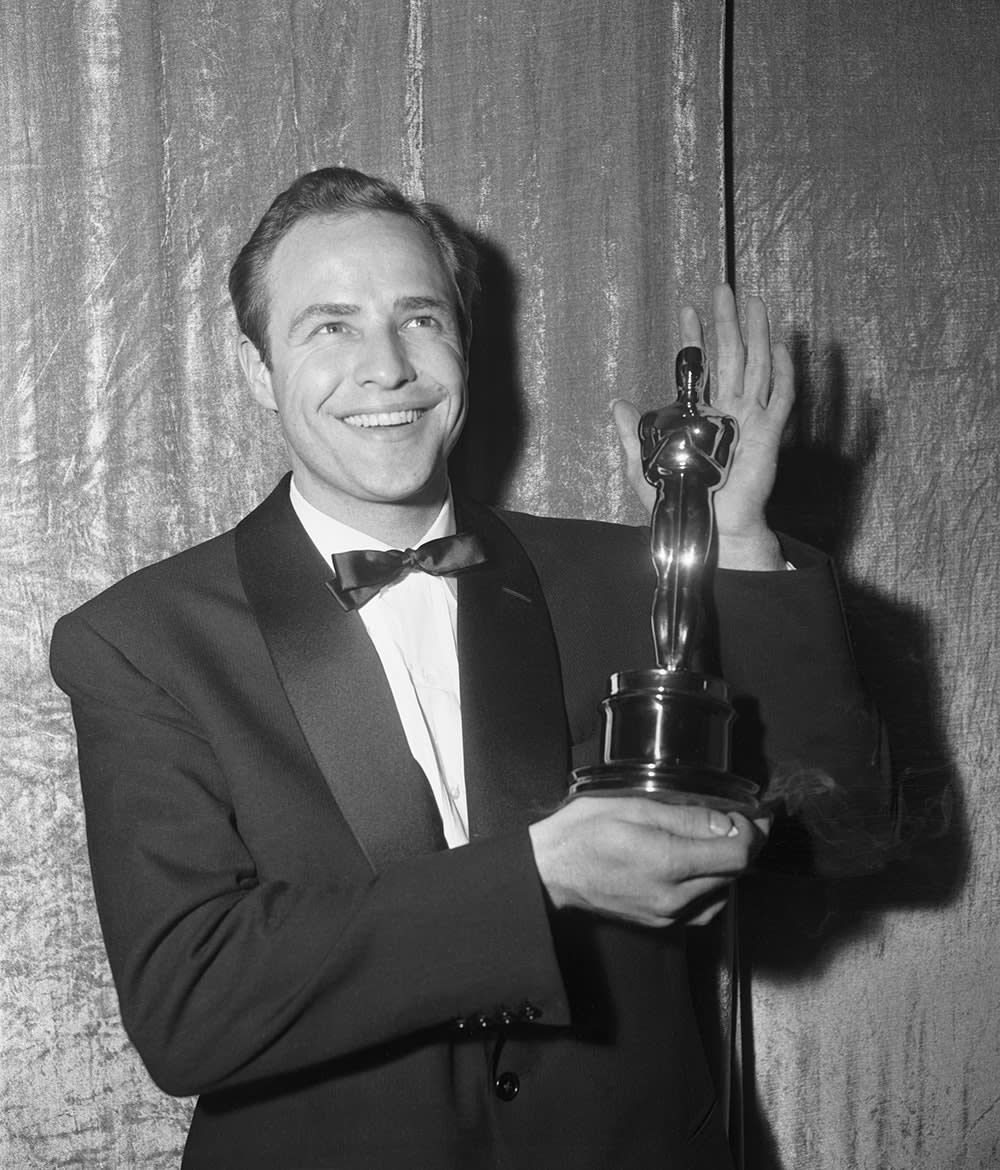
341 897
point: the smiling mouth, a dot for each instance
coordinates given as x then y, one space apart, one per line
386 418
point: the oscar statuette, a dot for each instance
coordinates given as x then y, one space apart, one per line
666 728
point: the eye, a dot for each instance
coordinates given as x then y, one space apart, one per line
424 321
328 327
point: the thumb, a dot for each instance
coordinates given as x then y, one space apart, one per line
626 416
682 820
689 820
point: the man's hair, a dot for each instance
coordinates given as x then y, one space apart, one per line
336 191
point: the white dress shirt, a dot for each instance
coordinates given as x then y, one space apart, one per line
413 624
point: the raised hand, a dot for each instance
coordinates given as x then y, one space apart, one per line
754 383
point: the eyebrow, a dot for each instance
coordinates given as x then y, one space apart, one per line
322 309
345 309
411 303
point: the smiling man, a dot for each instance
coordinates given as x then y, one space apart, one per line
323 755
366 368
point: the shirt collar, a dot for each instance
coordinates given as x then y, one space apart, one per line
333 536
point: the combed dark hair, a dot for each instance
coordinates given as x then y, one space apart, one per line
332 191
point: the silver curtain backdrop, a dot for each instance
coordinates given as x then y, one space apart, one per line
843 157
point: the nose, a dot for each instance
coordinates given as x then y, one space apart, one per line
384 362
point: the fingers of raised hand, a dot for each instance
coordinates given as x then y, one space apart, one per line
692 332
731 352
757 372
746 367
782 382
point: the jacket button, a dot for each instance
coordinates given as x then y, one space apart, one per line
507 1086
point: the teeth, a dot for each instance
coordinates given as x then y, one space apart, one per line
388 418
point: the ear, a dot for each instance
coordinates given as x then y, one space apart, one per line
257 374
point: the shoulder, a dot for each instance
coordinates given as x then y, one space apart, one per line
207 567
200 577
586 546
151 616
597 580
591 572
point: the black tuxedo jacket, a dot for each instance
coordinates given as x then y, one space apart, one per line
290 938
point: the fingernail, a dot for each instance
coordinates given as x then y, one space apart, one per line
720 824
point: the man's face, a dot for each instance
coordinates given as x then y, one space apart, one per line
367 366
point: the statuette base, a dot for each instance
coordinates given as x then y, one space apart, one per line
720 790
666 737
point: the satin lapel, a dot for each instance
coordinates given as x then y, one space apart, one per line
513 715
336 686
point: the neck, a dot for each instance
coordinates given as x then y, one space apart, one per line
400 524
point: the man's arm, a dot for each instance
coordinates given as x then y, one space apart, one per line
656 864
651 863
233 963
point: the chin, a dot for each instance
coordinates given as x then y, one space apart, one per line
422 491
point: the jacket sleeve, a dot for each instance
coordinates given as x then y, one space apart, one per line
806 729
227 973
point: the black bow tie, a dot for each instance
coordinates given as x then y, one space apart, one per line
362 572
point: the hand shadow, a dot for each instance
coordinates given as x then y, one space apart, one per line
791 925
